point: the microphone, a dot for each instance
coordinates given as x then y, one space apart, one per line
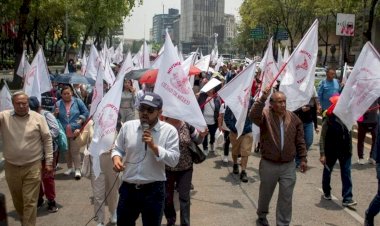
145 126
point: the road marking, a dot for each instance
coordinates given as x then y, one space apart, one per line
348 210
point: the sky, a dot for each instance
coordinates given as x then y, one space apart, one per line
142 16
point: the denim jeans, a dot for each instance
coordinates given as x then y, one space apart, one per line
148 200
183 181
211 130
374 206
308 129
345 174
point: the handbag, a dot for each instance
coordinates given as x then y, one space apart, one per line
197 154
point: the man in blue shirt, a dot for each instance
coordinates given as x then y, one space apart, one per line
327 88
147 144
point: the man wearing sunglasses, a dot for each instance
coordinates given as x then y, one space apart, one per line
147 144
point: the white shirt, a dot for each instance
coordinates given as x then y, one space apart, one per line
149 167
208 112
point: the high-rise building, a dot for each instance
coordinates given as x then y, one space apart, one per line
230 27
200 20
161 22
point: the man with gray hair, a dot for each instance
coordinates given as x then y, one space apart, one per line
281 138
26 140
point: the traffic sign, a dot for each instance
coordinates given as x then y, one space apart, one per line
258 33
281 34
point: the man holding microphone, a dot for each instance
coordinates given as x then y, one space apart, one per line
147 145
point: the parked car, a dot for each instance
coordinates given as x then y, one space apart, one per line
320 72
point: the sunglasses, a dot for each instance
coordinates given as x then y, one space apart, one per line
150 110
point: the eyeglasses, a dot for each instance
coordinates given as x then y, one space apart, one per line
150 110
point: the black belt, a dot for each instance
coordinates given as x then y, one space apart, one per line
142 186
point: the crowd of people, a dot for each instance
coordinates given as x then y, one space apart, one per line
151 151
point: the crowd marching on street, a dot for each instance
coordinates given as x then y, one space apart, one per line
137 140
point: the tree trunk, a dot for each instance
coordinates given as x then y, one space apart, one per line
19 42
85 37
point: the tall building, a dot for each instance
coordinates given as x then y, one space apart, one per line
230 27
200 20
161 22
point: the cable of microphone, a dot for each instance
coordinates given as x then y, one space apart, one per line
145 126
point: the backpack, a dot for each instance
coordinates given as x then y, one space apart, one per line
338 137
61 139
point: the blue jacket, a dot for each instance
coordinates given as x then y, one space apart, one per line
230 120
78 110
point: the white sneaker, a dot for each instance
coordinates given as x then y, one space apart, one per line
78 175
361 161
113 219
372 161
225 159
69 171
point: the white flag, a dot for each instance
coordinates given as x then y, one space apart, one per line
268 67
66 71
84 65
126 67
219 63
109 76
97 91
37 80
298 81
5 98
279 57
236 95
203 63
24 66
157 62
105 120
111 53
173 86
186 65
146 60
118 56
93 63
362 87
137 58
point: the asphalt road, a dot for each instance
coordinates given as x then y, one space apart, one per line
220 199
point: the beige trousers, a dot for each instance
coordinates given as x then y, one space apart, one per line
102 185
24 186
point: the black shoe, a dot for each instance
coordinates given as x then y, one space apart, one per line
368 221
52 206
349 203
257 149
263 221
243 176
40 202
235 169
